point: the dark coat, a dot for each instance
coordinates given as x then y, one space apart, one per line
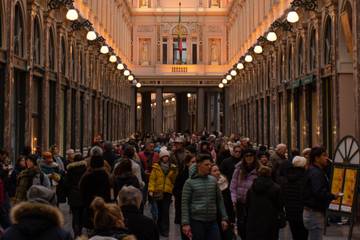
222 156
111 157
126 179
293 190
141 226
263 206
35 221
94 183
227 167
177 191
317 195
13 180
75 171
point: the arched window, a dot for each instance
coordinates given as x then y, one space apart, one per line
73 62
312 54
289 62
348 10
328 41
63 56
51 51
81 66
18 32
300 57
37 42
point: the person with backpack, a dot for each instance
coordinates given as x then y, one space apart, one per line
28 177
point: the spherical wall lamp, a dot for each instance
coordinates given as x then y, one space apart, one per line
221 85
72 14
271 36
126 73
248 58
293 17
258 49
120 66
113 58
240 66
104 49
91 35
233 73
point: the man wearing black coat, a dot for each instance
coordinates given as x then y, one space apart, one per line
317 195
227 167
293 189
75 170
142 227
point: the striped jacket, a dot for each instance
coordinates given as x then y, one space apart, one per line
202 200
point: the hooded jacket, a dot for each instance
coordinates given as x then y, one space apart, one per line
159 182
36 221
293 190
264 204
202 200
75 171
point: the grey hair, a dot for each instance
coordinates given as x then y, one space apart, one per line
129 196
280 146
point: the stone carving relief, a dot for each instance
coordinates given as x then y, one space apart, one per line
191 28
214 29
214 47
145 28
144 53
215 3
144 3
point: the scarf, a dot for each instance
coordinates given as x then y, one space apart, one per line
165 167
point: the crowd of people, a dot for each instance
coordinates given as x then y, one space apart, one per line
222 188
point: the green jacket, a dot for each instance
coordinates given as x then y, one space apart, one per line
202 200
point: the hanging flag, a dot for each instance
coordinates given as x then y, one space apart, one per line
179 36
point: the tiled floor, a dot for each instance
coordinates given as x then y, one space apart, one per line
335 232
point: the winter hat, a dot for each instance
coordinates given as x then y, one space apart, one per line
248 151
96 151
179 139
164 153
191 148
41 194
299 161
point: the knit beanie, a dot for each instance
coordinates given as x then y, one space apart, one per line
164 153
41 194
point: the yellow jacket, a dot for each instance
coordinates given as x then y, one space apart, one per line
158 182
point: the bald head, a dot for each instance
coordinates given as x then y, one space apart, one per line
281 149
